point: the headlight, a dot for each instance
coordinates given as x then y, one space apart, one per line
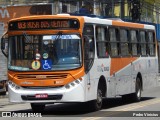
13 85
72 84
67 86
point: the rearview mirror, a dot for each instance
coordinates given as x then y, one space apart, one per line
4 44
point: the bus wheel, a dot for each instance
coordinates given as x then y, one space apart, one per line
97 104
37 107
137 95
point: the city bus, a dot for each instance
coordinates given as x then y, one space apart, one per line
67 58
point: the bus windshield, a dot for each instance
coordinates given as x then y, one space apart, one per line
44 52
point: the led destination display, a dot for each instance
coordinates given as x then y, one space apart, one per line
44 24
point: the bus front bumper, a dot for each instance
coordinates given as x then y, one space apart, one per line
72 94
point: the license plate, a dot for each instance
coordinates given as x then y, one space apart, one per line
41 96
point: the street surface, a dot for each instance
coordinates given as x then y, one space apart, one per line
149 105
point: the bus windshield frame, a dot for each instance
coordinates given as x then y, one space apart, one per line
45 52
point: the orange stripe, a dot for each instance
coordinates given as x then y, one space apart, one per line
119 63
73 75
127 24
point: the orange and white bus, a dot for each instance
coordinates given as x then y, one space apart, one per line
64 58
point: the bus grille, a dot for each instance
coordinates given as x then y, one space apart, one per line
38 77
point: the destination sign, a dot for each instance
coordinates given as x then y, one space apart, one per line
44 24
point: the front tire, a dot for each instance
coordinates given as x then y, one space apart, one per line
97 104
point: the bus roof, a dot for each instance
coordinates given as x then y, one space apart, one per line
87 19
117 22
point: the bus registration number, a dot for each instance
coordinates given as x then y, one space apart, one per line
41 96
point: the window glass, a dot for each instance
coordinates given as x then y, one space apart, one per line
113 42
133 42
143 42
102 43
124 42
151 43
45 52
89 46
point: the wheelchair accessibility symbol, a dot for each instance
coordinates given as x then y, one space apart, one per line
46 64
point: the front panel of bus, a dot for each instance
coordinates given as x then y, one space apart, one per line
45 60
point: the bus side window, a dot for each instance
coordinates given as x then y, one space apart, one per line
133 38
143 43
124 42
151 43
138 43
102 43
113 42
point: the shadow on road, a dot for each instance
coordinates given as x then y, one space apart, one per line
80 109
115 102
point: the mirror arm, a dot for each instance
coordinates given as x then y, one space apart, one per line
4 53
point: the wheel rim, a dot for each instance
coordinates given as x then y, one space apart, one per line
99 98
138 89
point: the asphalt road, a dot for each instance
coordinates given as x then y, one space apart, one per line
112 109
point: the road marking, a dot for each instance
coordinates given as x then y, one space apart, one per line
132 107
140 105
